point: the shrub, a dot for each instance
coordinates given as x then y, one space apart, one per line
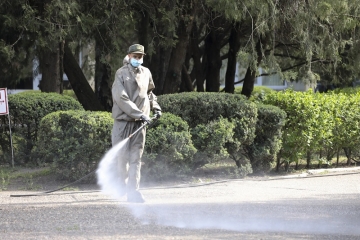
202 108
258 94
73 141
210 140
318 124
26 111
168 149
304 129
70 93
267 143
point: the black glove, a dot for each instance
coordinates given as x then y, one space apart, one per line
145 119
157 114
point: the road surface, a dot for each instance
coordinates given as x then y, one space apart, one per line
319 206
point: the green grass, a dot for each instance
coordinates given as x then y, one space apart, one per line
70 189
9 174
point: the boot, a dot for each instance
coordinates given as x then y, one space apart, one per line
135 196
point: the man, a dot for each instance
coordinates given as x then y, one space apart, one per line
132 102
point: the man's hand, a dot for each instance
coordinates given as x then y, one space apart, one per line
157 114
145 119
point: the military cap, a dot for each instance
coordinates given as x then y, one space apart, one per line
136 48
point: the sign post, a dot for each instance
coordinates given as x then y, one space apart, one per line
4 110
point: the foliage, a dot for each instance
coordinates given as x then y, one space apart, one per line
26 111
202 111
210 140
317 124
301 40
263 151
200 108
69 93
257 94
73 141
169 149
304 128
347 90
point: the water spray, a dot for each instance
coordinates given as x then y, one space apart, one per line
108 172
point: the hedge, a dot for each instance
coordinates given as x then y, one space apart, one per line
318 124
262 153
26 111
169 149
202 109
73 142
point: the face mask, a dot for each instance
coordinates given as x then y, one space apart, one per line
136 63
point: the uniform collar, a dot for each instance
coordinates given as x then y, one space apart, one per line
134 69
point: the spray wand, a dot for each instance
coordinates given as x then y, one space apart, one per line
146 123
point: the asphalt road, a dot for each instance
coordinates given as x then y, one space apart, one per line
311 207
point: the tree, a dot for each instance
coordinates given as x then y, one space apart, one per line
186 40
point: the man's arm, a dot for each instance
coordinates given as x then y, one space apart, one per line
154 106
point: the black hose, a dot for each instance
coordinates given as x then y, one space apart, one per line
50 191
194 185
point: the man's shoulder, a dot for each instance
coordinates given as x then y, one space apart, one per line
144 69
122 69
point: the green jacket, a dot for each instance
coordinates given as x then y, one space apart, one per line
132 93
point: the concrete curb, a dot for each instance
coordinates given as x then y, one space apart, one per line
332 170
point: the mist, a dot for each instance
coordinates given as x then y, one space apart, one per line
108 171
268 206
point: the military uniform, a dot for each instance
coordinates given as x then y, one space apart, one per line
132 98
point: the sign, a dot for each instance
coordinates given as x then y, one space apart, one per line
4 107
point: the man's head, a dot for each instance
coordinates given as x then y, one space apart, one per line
136 53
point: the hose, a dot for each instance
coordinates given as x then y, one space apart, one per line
193 185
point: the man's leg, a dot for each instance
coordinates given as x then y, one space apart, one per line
136 148
118 135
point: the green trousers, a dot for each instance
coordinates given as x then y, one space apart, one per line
129 158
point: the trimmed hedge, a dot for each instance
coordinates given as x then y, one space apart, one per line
200 109
169 149
211 139
263 151
258 94
320 124
73 141
26 111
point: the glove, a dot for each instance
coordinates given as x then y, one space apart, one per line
145 119
157 114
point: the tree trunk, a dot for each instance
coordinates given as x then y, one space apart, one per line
178 54
197 54
103 79
159 62
249 80
308 159
213 44
158 65
143 33
79 84
234 46
186 80
51 80
61 61
186 77
212 50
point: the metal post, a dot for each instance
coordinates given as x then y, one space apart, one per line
12 149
